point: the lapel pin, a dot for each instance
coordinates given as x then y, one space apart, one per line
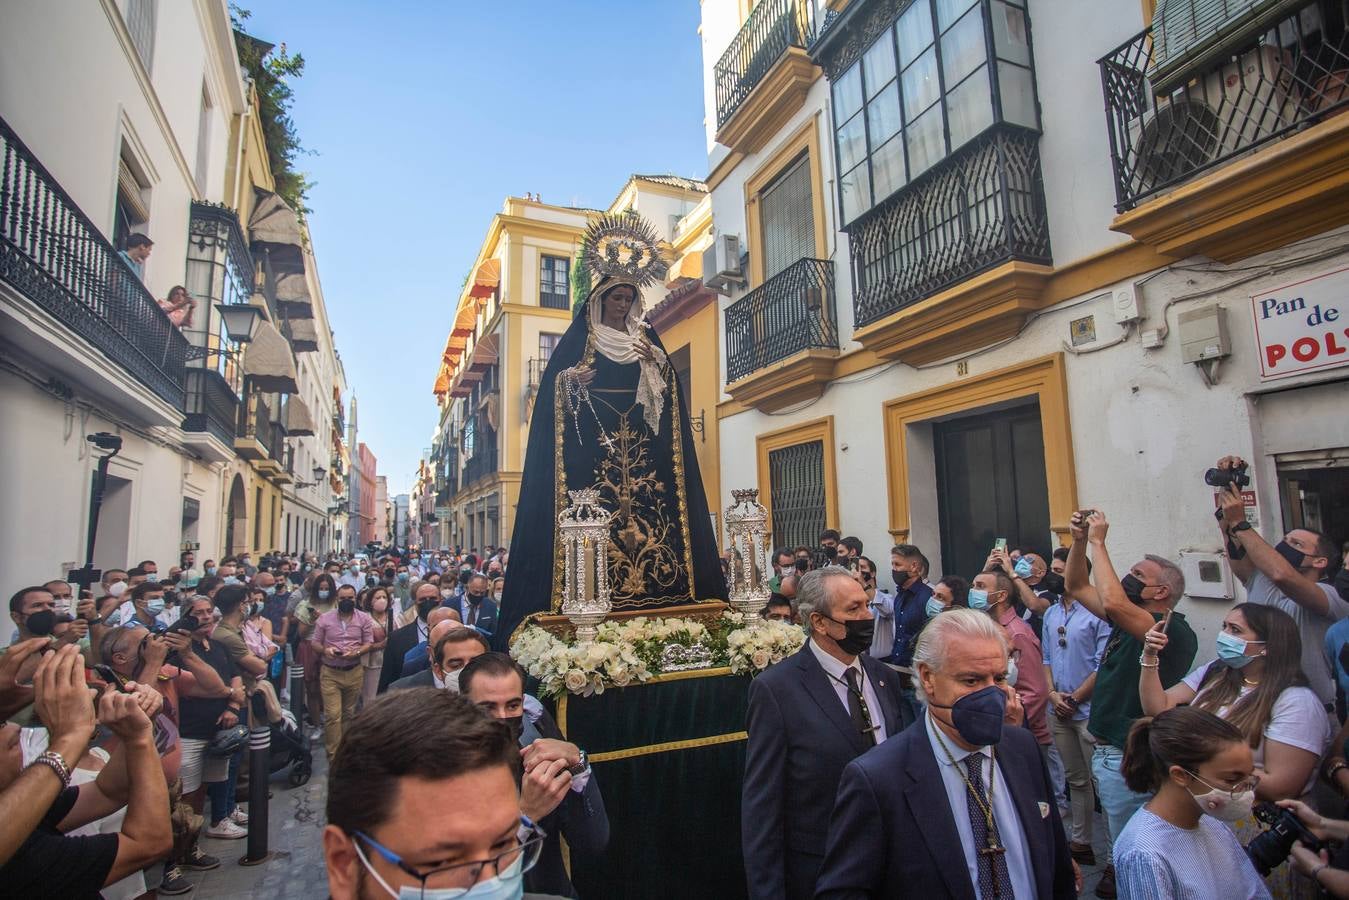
881 683
1044 810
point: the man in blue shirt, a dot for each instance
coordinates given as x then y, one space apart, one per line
907 609
1073 645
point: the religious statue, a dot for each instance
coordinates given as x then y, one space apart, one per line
610 417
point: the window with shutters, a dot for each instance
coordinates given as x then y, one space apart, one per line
788 216
132 211
796 474
554 278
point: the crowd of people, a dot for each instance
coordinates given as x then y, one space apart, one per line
954 736
957 735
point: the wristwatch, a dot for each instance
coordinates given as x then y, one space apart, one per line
1243 525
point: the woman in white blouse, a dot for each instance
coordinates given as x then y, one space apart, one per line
1256 684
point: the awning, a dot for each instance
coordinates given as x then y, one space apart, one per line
268 361
276 227
304 335
298 420
292 295
486 279
690 265
442 381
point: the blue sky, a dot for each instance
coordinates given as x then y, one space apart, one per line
424 116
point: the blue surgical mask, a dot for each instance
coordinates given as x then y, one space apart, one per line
155 606
978 599
506 885
210 570
1232 650
269 591
323 595
978 716
1022 567
151 576
933 607
231 579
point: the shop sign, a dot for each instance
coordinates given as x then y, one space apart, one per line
1304 326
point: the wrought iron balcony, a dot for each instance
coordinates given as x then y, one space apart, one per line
253 439
480 465
772 27
52 254
210 404
1291 75
788 313
982 206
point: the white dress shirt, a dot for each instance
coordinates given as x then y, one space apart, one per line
835 669
1010 833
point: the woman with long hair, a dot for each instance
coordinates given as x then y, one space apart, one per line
1257 685
320 598
378 604
1198 768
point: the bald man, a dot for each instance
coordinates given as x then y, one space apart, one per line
419 657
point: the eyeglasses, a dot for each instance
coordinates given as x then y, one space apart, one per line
1241 787
529 844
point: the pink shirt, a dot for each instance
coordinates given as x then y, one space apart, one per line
1031 685
332 631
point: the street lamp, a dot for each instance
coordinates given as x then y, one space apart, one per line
241 320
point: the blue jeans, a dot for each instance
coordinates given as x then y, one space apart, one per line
221 793
1117 801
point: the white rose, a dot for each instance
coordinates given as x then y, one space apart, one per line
760 659
621 675
575 680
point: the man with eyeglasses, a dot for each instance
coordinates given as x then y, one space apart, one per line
422 803
1073 645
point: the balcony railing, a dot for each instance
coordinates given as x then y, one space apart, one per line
255 421
481 464
1284 79
211 406
56 257
790 312
772 27
982 206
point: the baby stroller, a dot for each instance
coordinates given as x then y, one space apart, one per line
290 749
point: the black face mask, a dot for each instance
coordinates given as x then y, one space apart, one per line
516 724
346 605
900 576
1296 558
475 599
1053 583
424 607
829 552
1133 589
858 636
41 623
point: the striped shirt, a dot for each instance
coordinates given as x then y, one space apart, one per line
1155 860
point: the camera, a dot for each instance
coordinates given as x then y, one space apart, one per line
1221 478
105 441
1270 848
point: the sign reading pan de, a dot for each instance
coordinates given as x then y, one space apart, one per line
1304 326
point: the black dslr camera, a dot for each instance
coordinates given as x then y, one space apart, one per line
1271 847
1221 478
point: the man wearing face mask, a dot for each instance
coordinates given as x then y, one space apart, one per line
959 806
420 657
341 637
903 613
403 639
565 805
809 716
147 602
440 802
477 610
1132 605
1290 576
452 647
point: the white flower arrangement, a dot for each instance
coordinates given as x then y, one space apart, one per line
762 643
629 651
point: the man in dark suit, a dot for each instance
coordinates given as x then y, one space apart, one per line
404 639
809 716
476 609
563 804
957 806
453 646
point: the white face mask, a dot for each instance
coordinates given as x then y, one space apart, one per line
451 681
1221 804
507 885
117 589
1011 671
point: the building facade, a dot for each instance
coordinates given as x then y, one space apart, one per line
967 304
371 512
205 422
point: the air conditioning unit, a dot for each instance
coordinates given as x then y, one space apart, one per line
721 263
1229 109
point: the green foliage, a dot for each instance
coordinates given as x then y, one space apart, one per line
580 280
271 70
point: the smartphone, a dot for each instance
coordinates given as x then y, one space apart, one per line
1166 620
109 676
1000 545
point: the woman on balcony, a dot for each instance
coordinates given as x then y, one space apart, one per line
609 417
179 307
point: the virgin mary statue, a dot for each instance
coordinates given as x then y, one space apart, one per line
610 417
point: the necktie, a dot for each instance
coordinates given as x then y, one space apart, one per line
994 880
472 614
859 717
